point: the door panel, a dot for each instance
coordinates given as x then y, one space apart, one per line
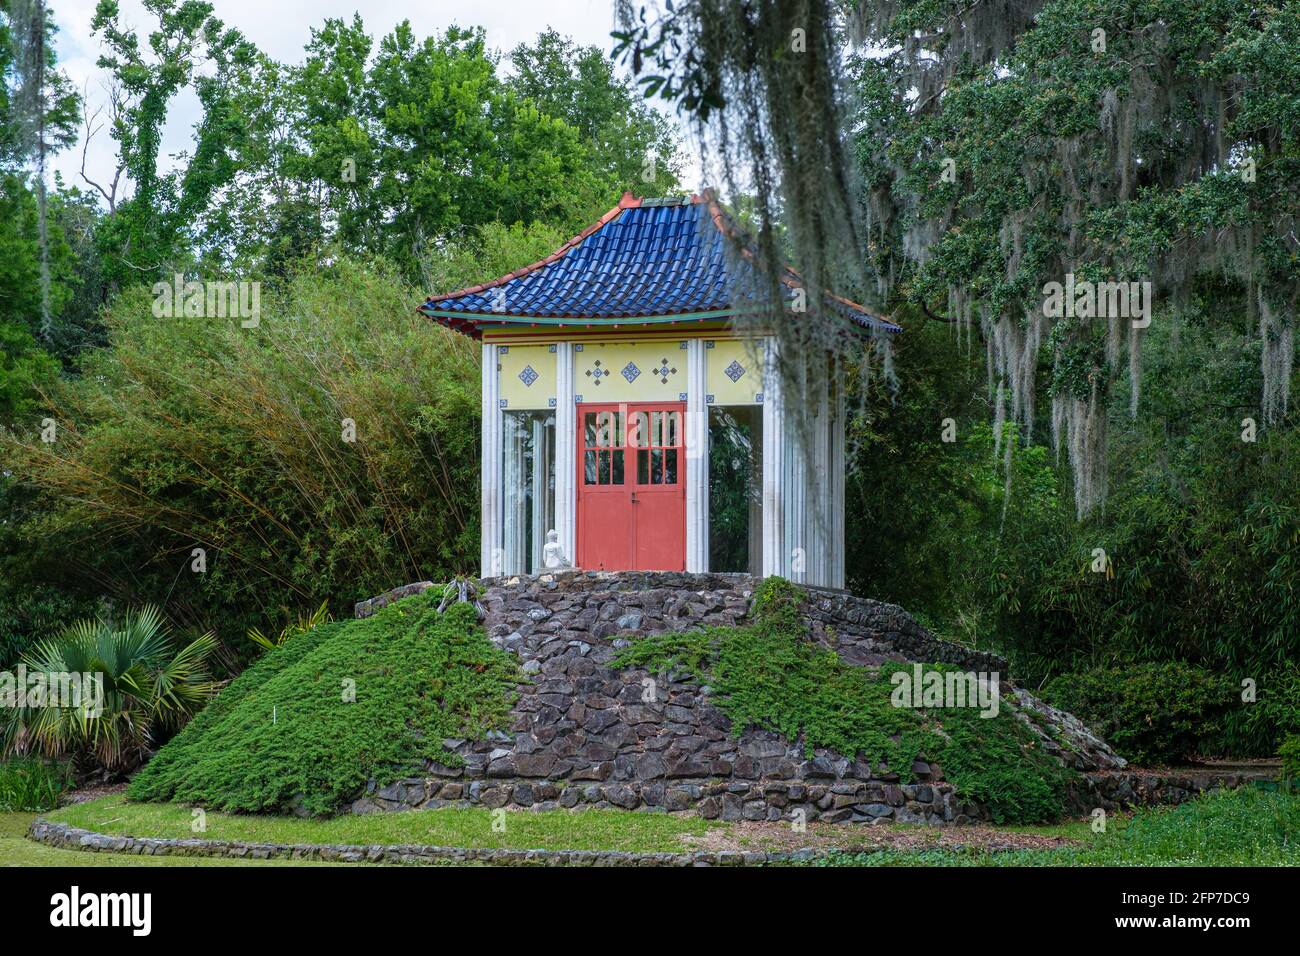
659 489
604 497
632 487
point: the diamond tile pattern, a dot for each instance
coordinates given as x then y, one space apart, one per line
630 372
644 259
734 371
528 375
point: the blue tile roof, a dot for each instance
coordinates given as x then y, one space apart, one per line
642 260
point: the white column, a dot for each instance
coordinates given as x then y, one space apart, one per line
819 512
491 553
773 463
796 555
566 462
697 457
837 465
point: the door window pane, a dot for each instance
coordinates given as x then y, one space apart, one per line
670 429
638 429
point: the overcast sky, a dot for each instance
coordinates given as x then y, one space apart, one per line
281 28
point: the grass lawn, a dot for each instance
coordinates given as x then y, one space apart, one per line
448 826
1246 827
17 850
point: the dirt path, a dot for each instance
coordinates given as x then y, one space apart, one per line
780 836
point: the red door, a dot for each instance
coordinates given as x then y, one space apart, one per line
632 487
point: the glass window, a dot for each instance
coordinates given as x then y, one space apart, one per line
735 488
602 457
528 488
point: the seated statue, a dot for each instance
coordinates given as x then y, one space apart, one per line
552 554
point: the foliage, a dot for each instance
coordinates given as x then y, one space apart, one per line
1201 532
1290 754
150 687
1276 712
399 145
149 233
198 433
768 675
1150 713
31 784
637 144
302 625
1099 138
308 725
735 487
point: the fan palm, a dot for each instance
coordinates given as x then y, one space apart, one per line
150 688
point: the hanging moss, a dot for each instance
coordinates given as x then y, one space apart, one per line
1000 146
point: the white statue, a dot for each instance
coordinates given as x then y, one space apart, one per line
552 553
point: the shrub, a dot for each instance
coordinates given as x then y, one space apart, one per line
28 784
1290 754
1276 713
293 628
196 430
1150 713
149 688
313 721
769 676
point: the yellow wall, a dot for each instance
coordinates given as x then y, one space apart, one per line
650 383
512 361
658 371
720 354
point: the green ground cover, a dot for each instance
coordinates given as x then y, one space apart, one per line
768 675
311 722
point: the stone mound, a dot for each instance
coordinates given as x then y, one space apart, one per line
583 735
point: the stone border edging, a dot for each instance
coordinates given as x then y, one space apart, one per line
67 837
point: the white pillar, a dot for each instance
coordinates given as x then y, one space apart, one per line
819 514
491 553
796 555
773 463
837 465
566 460
697 457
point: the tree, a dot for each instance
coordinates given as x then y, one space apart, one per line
636 145
37 113
1002 146
149 688
149 234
